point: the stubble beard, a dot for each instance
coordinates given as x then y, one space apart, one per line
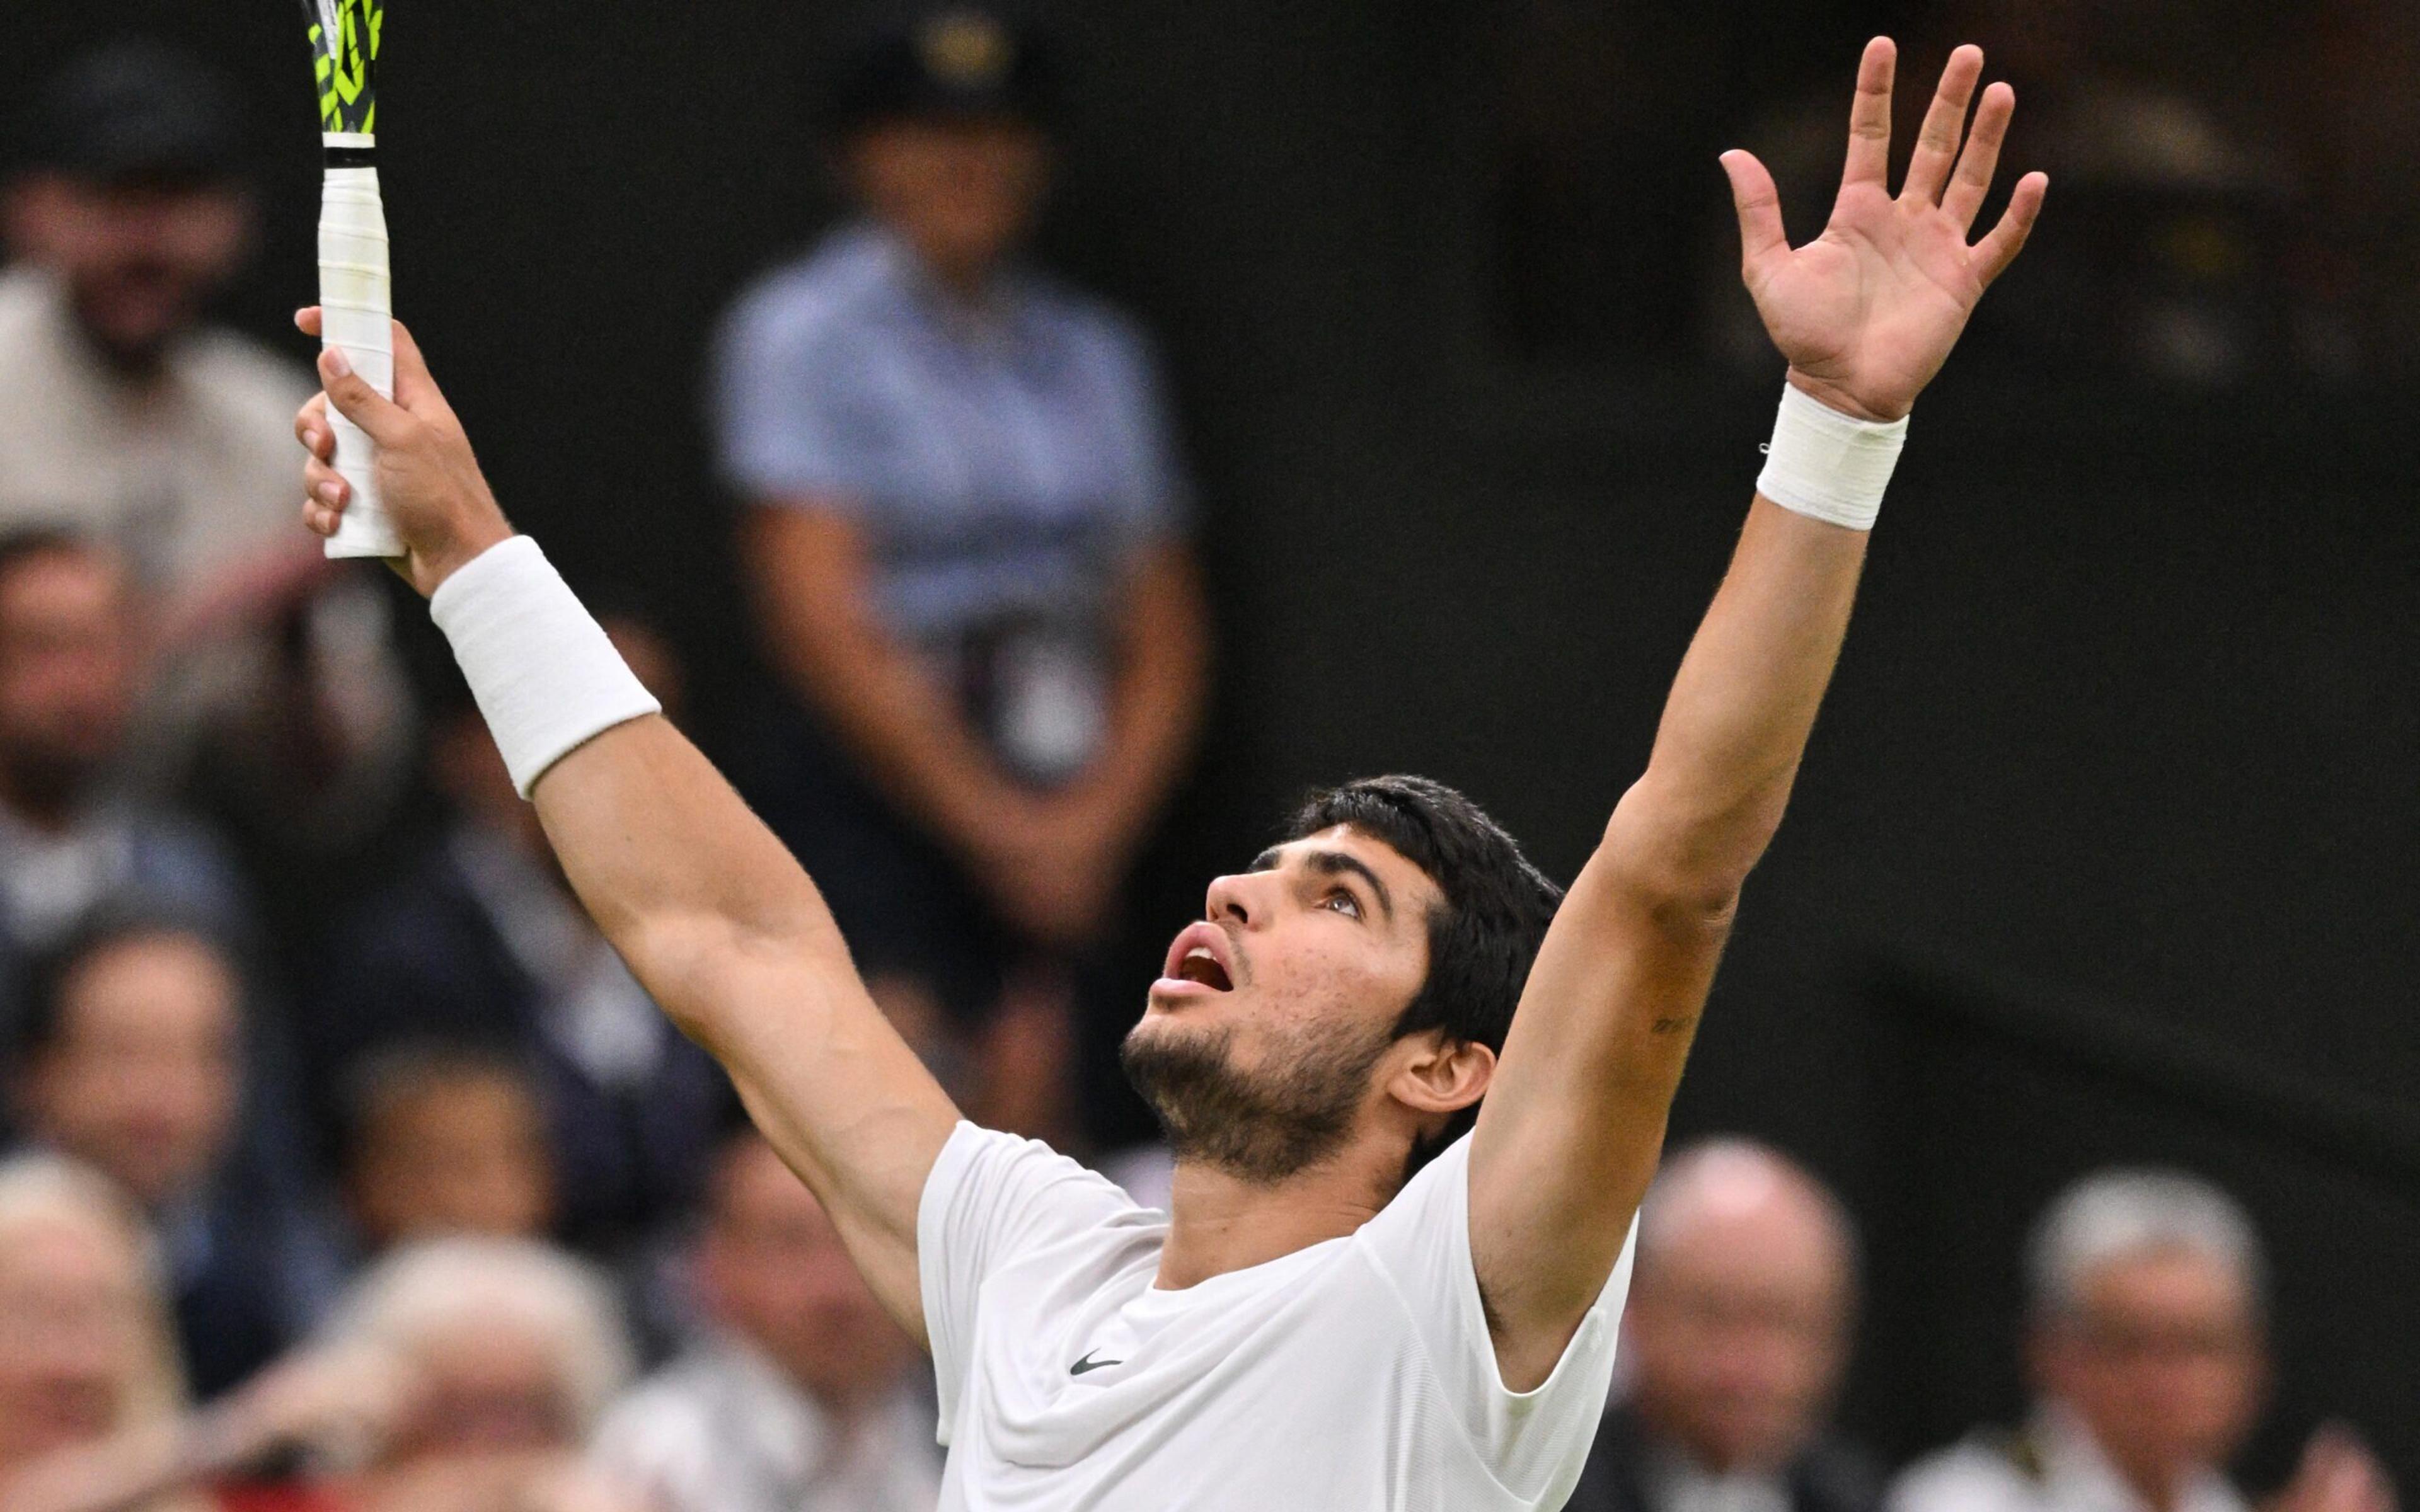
1262 1127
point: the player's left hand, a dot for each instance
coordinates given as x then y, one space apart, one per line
1867 312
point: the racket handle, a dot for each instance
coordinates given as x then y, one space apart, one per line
356 304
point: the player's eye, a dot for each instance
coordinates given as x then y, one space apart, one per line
1344 902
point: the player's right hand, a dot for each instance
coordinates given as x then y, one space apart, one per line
430 483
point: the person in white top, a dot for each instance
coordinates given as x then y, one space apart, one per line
2147 1301
1321 1320
802 1398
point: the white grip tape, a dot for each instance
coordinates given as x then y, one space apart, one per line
356 305
544 673
1829 466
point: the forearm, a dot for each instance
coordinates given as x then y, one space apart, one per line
904 730
1161 682
1742 708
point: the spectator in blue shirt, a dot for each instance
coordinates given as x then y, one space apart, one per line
966 535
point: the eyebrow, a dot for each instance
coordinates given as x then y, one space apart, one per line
1333 864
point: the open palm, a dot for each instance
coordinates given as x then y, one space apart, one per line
1867 312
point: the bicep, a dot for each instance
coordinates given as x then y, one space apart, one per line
848 1107
732 938
1573 1127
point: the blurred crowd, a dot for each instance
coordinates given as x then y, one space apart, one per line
2234 182
349 1166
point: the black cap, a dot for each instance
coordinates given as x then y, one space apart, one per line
949 61
138 112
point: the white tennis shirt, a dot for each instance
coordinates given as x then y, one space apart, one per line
1356 1374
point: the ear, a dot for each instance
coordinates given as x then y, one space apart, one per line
1441 1075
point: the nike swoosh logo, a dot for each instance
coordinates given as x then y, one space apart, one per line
1088 1363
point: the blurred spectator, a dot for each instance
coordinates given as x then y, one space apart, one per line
966 535
85 1352
1737 1332
69 835
2147 1294
483 942
804 1398
460 1375
504 1353
124 417
447 1139
130 1058
2169 258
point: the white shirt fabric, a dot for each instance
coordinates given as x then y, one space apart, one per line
1355 1374
2054 1466
721 1430
1679 1483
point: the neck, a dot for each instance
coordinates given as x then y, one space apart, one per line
2161 1491
138 366
2160 1486
1220 1222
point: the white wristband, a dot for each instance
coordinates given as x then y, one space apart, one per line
1829 466
538 663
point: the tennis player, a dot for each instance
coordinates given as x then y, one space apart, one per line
1355 1304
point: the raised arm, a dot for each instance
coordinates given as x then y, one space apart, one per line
724 929
1569 1136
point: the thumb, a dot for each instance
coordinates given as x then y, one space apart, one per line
353 399
416 388
1759 205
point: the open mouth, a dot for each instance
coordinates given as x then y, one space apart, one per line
1200 966
1200 956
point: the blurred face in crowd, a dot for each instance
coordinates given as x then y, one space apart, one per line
485 1385
140 261
2161 1356
141 1078
775 1273
72 1335
963 194
1270 1035
1737 1320
66 673
463 1152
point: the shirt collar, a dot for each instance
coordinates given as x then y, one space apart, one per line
1007 321
2081 1477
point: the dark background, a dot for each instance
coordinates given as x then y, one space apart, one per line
2105 846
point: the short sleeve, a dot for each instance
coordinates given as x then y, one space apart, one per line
1535 1441
1157 499
992 1198
785 411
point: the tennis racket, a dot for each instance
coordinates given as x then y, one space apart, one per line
356 299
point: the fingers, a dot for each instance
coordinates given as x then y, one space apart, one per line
312 429
1760 211
1937 145
1994 254
307 320
1981 159
386 422
329 494
1869 117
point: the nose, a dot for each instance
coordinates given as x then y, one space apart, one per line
1237 899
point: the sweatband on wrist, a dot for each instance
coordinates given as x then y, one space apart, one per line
537 660
1829 466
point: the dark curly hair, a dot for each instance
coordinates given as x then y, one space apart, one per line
1482 940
